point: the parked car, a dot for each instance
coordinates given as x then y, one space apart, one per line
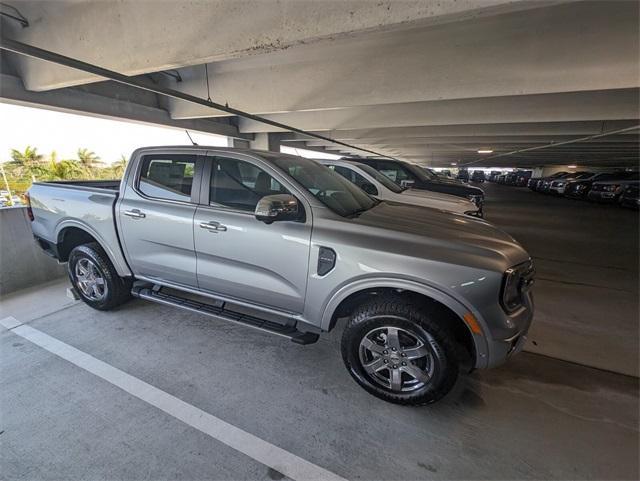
493 176
545 185
381 187
502 178
510 178
522 177
543 182
559 185
410 175
631 195
478 176
463 175
610 190
579 189
283 244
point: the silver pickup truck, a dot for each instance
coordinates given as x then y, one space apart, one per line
283 244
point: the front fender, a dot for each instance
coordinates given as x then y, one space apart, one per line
458 306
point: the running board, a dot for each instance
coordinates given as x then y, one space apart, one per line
219 312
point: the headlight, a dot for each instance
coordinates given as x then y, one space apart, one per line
517 281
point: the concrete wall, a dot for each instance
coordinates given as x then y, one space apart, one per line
22 262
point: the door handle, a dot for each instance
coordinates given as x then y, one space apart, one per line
213 226
135 213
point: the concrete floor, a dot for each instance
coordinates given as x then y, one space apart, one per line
587 258
534 418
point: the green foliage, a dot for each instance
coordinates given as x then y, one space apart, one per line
28 166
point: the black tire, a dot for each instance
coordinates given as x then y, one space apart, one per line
117 289
413 321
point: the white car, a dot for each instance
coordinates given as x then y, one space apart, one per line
383 188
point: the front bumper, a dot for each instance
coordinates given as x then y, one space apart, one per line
557 189
603 196
511 337
631 202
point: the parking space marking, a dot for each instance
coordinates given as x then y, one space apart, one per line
9 322
260 450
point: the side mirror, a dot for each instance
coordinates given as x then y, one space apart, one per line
369 188
279 207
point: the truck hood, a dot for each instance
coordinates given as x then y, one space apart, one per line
446 236
430 195
437 200
453 187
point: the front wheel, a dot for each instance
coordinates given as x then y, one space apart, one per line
95 279
399 352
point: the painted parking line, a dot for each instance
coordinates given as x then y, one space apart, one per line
260 450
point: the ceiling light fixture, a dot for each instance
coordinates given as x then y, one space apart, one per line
454 163
572 166
485 151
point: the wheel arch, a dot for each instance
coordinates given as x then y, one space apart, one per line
70 234
346 299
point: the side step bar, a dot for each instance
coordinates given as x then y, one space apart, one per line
218 311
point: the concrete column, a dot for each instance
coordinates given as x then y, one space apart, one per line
238 143
267 141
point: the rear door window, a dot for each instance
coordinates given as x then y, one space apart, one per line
395 172
167 177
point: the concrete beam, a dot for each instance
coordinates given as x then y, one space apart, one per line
573 106
134 37
471 141
580 129
78 100
565 48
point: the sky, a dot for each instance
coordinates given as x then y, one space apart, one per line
48 130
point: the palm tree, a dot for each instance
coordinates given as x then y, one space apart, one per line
29 162
119 166
63 169
88 159
29 158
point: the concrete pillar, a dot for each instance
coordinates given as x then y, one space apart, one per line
267 141
238 143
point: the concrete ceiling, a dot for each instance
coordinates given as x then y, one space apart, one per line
427 81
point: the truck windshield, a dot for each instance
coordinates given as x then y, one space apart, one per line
383 179
333 190
420 173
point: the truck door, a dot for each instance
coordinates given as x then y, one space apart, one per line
156 217
239 256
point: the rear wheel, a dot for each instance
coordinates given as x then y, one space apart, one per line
94 278
399 352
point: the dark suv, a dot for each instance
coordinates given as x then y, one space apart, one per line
478 176
536 183
579 188
410 175
631 195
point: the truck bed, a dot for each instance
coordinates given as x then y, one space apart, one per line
96 184
60 208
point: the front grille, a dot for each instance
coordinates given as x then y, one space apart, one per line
597 187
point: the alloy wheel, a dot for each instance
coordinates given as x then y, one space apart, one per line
90 280
396 359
